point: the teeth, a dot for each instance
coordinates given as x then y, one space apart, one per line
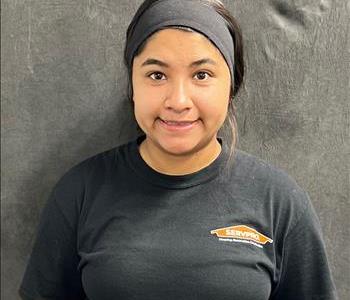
178 123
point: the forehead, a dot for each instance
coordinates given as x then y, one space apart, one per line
180 41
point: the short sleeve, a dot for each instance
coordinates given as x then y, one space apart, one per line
51 272
305 273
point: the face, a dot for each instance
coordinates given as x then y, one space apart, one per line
180 76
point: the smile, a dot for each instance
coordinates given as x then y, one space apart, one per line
177 126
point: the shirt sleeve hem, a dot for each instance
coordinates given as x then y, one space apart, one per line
24 294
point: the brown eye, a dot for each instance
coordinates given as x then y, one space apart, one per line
201 75
157 76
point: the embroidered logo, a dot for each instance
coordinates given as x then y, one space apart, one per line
241 234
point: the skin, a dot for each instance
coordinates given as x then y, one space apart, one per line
180 92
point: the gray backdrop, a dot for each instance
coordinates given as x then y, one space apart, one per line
63 88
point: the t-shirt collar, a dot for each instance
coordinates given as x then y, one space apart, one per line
174 181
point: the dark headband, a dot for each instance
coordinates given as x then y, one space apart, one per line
195 14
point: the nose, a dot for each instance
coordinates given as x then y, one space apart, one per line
178 97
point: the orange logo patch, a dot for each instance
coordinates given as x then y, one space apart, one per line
241 233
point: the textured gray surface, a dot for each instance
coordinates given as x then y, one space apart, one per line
63 88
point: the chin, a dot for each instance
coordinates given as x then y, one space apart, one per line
178 145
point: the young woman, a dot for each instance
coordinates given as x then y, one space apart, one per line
179 213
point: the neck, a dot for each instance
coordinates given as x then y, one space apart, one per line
178 165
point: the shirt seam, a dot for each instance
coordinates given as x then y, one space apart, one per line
24 293
61 213
214 176
285 251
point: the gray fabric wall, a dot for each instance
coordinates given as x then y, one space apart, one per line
63 88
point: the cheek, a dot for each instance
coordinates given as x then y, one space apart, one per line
212 102
146 106
213 106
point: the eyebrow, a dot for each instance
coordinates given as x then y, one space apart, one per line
153 61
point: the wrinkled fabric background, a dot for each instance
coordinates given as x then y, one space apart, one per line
63 89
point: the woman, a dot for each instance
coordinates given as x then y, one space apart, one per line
158 218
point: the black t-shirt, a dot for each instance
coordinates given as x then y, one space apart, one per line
115 228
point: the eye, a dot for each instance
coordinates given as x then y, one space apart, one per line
158 75
202 75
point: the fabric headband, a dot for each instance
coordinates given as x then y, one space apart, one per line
189 13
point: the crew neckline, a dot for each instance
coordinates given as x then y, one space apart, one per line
174 181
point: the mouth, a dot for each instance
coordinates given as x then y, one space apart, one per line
178 122
178 125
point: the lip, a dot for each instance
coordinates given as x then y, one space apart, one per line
179 128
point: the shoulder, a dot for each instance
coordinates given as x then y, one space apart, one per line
281 198
72 190
264 174
91 167
79 172
82 176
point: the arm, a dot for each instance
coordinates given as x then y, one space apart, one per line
305 272
51 272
